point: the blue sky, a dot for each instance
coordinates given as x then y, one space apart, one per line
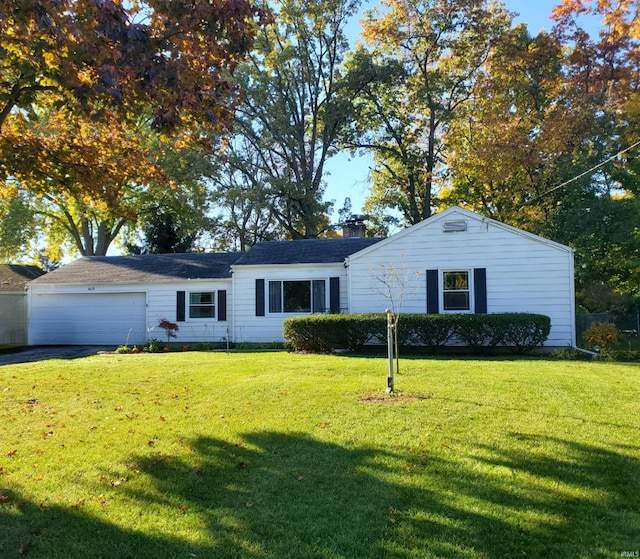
347 176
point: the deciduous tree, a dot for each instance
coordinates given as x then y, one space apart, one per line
429 53
296 102
169 59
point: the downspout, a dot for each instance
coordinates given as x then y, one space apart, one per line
232 335
574 334
588 352
574 341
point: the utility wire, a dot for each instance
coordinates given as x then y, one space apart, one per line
582 174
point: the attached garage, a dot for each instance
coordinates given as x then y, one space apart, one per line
88 318
117 300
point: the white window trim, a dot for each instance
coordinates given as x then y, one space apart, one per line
302 313
471 309
189 318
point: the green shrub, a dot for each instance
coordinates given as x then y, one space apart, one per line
432 331
481 332
524 332
153 346
323 333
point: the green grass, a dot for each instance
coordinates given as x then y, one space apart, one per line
279 455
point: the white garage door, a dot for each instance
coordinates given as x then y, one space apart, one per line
88 318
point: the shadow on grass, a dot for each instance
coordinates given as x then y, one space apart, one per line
276 495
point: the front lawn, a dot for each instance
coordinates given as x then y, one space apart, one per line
277 455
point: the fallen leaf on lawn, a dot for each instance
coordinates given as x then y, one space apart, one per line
12 452
241 465
183 507
323 425
38 477
26 547
249 504
162 418
3 498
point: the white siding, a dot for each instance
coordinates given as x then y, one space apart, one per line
268 328
524 273
117 313
162 301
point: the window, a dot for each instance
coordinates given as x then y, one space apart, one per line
298 296
202 304
456 291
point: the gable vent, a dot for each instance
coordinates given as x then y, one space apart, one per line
457 226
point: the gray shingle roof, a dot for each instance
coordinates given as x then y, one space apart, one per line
305 251
166 267
13 277
144 268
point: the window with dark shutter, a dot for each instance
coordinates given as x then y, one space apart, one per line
433 294
480 290
180 306
259 297
334 295
222 305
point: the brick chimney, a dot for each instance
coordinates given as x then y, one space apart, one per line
354 227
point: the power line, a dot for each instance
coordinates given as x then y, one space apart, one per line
582 174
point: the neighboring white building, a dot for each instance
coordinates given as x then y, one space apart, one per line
13 302
455 261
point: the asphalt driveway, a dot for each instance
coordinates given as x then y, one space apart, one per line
42 353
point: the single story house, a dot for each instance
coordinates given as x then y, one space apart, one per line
454 261
13 302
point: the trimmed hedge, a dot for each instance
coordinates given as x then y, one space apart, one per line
520 332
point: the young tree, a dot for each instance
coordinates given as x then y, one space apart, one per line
394 283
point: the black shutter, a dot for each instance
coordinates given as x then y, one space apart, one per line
480 290
334 295
222 305
433 306
180 306
259 297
